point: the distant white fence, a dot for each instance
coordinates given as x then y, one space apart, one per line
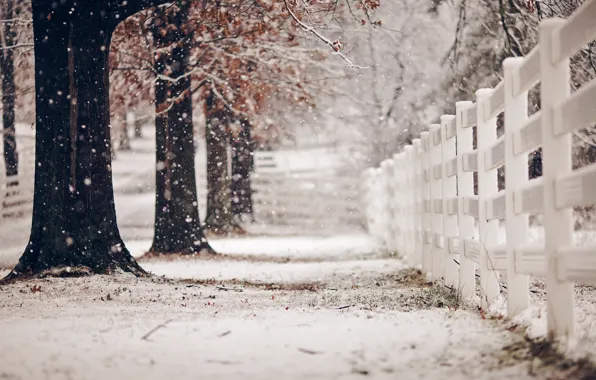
422 201
304 189
17 201
297 160
303 200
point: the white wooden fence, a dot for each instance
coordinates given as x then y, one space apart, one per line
307 190
307 200
422 202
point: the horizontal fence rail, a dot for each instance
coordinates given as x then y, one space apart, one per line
423 204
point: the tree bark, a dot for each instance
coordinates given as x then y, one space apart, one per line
242 166
177 223
11 158
74 217
219 218
138 128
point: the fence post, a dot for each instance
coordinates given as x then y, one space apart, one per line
416 165
486 134
405 228
390 192
373 200
465 188
516 174
406 215
387 200
450 230
437 201
556 161
395 206
381 202
427 262
409 197
400 204
395 203
367 199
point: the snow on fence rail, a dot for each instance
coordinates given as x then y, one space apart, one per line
422 202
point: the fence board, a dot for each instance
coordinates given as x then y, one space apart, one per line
472 250
577 188
495 103
577 264
498 258
470 118
495 155
527 75
574 34
529 199
531 259
451 166
470 161
577 111
450 129
529 136
495 207
471 206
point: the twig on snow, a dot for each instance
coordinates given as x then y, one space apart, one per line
146 336
229 289
310 352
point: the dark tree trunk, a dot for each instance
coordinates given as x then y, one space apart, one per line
242 166
11 158
177 222
74 218
219 218
138 128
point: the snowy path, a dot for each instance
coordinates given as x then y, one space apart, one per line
252 343
347 316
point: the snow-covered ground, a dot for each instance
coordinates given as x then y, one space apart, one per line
346 315
358 323
269 272
278 304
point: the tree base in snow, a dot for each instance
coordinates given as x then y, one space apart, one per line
225 230
77 265
204 248
223 225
